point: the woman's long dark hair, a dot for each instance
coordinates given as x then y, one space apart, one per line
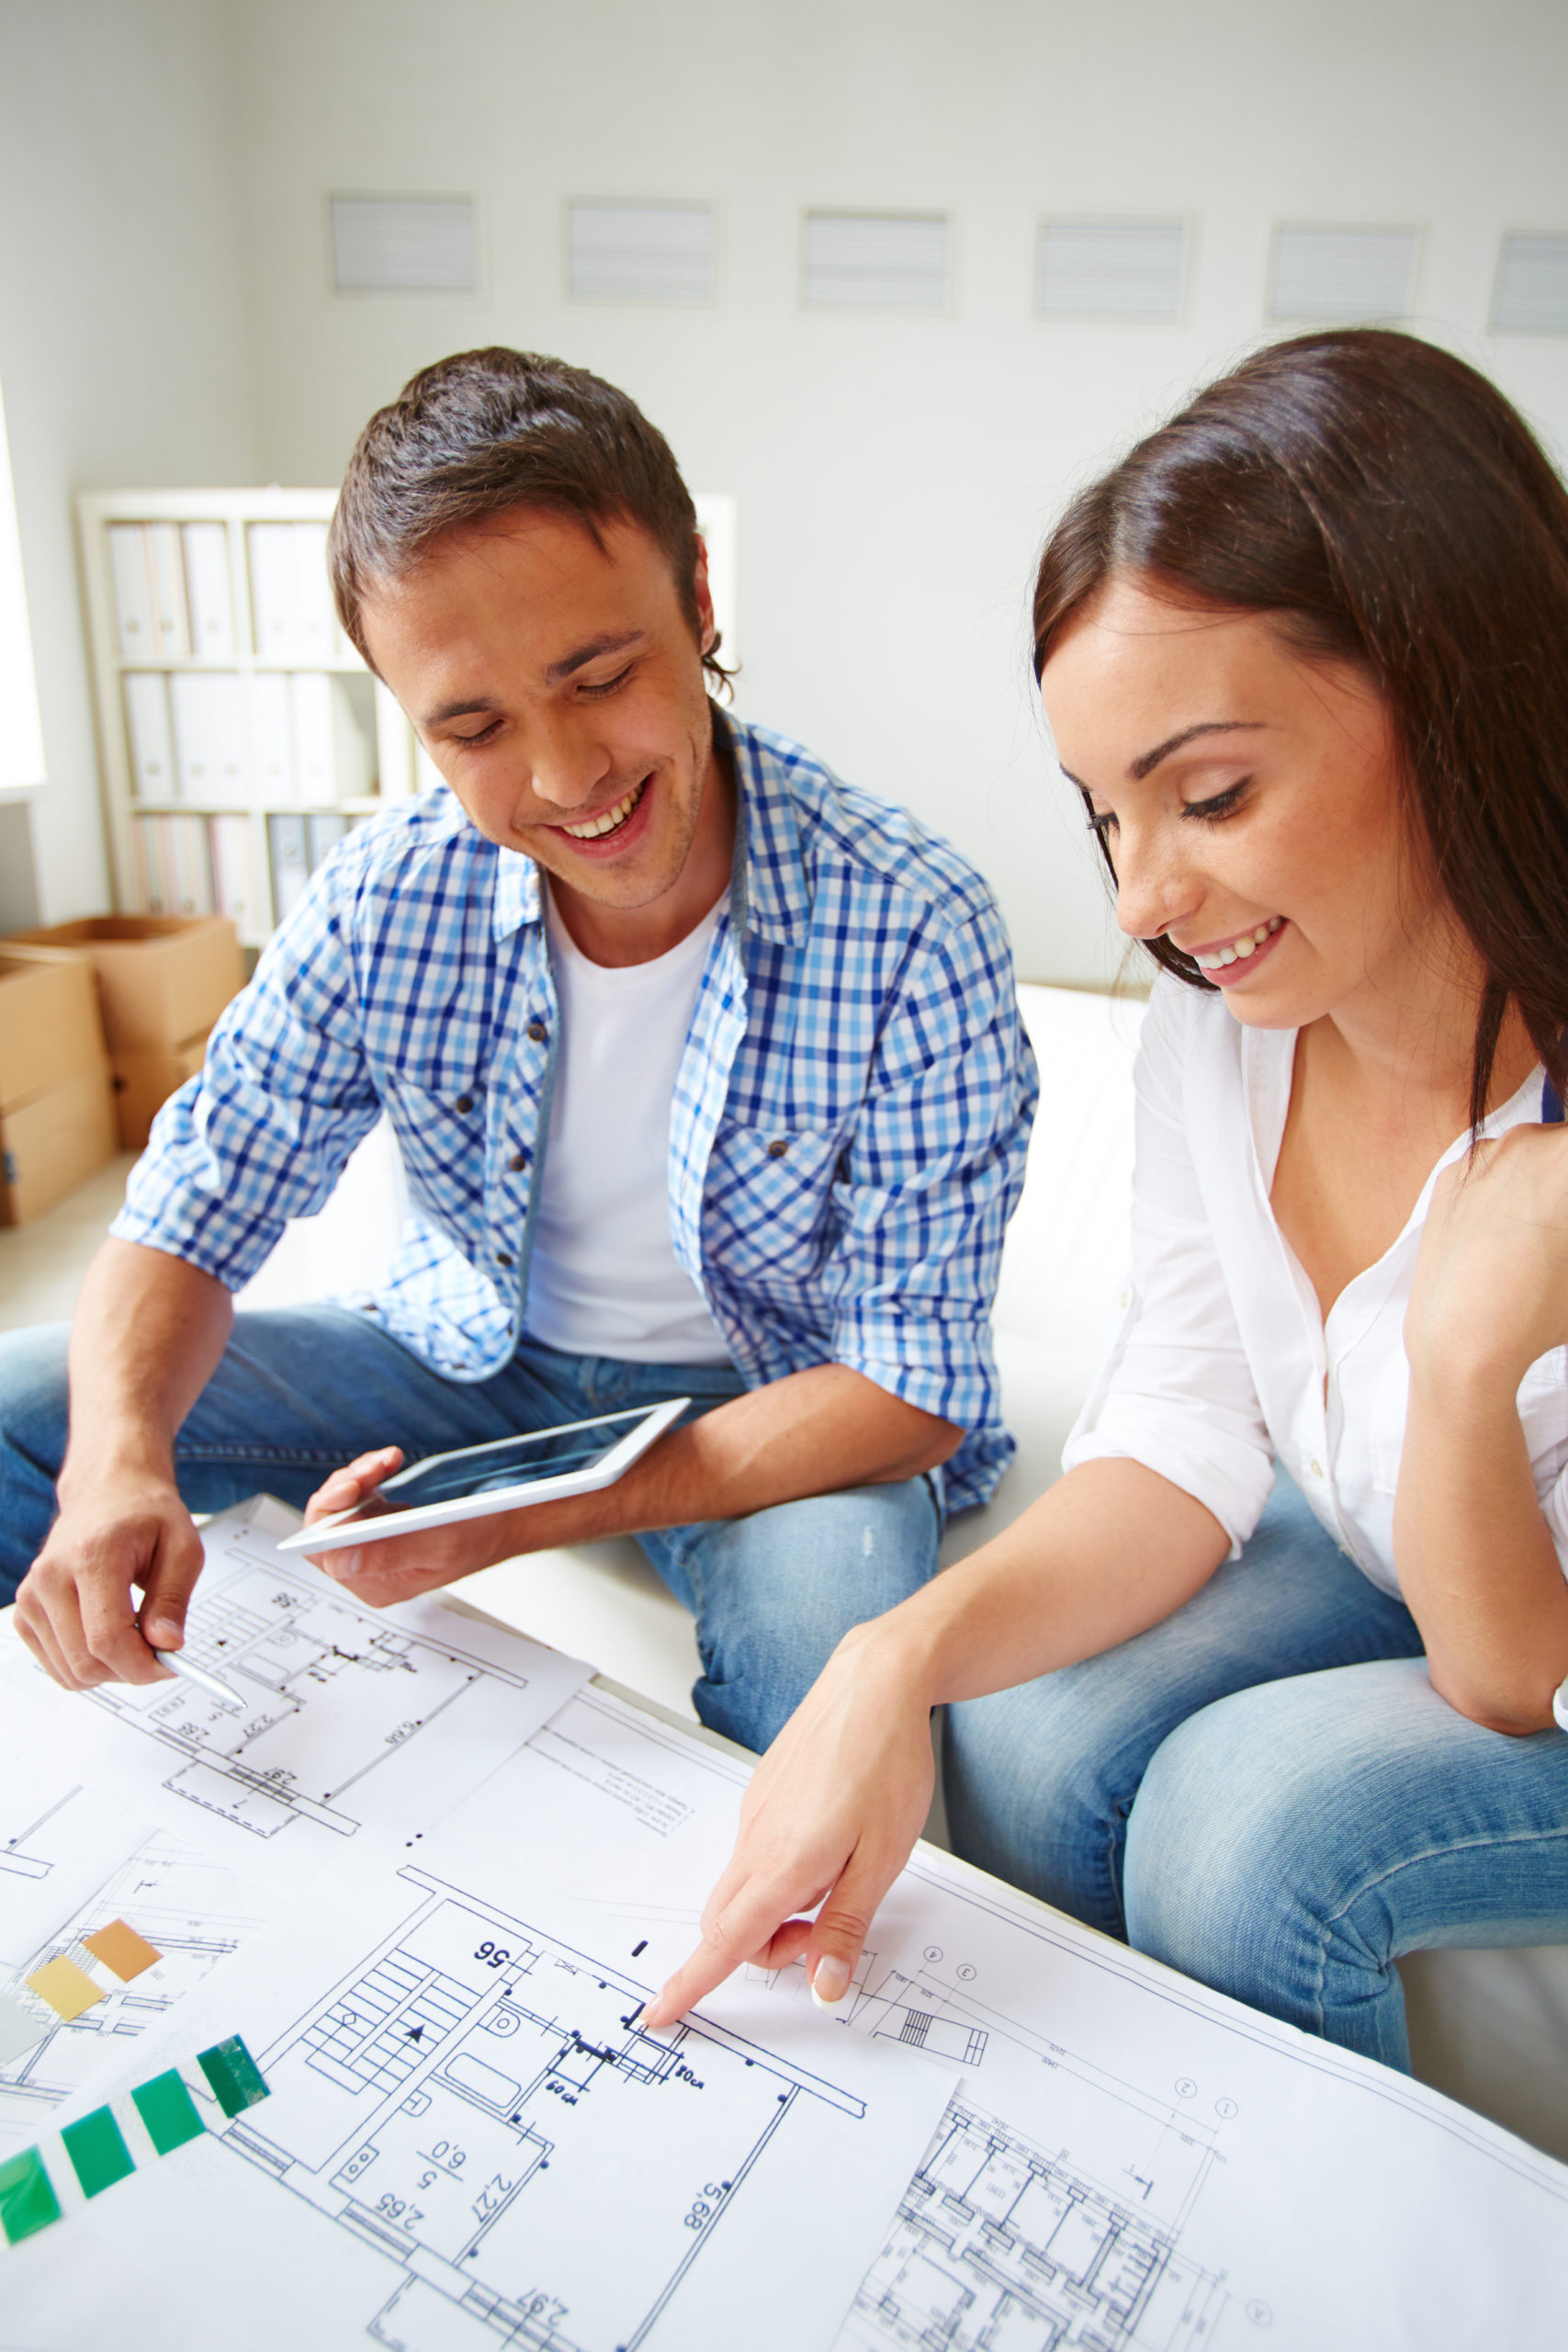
1386 503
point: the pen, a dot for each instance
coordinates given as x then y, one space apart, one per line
177 1660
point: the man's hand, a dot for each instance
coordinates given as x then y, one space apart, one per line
811 1433
403 1566
74 1609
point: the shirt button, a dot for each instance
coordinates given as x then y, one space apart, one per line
465 1103
1316 1469
503 1257
777 1148
519 1160
537 1031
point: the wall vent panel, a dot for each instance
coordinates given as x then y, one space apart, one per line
875 261
1336 274
404 244
1110 269
639 252
1531 293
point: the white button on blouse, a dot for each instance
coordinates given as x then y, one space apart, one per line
1223 1359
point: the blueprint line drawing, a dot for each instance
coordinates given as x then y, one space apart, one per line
331 1692
20 1865
999 2246
472 2086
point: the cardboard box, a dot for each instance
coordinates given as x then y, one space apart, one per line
163 980
49 1029
52 1144
143 1083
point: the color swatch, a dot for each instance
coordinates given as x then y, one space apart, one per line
236 2079
67 1988
96 2145
168 2110
96 2148
122 1949
28 2202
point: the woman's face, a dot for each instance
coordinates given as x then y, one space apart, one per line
1250 801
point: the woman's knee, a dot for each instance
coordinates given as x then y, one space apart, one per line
1038 1781
1252 1863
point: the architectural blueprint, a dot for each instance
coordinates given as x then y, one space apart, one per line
194 1822
352 1719
1129 2163
469 2142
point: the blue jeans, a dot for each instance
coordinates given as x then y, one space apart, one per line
301 1389
1266 1793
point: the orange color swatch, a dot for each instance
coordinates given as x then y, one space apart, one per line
121 1950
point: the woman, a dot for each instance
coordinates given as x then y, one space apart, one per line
1305 653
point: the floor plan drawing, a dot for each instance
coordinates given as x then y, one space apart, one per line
349 1719
328 1694
452 2105
999 2246
469 2142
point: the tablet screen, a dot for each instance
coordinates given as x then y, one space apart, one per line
509 1462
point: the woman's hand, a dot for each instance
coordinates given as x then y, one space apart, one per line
1491 1288
830 1819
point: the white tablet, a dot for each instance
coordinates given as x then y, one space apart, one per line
540 1468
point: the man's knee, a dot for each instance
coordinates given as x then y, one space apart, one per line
777 1591
33 1411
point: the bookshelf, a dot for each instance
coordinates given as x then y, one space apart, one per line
239 732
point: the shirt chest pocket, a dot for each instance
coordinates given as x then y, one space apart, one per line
441 1135
767 1202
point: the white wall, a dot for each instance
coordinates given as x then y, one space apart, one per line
894 476
123 350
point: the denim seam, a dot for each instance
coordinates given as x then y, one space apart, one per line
1332 1920
310 1457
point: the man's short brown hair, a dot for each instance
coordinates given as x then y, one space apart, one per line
489 430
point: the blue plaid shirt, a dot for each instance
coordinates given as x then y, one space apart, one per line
851 1117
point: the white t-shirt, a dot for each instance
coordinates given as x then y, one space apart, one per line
1223 1358
603 1279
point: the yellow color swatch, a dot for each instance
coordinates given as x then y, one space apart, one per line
66 1988
122 1949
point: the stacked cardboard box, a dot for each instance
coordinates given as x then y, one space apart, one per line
162 981
57 1119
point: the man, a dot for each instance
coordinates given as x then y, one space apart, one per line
706 1073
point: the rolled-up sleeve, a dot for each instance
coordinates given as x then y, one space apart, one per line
264 1133
928 1182
1177 1391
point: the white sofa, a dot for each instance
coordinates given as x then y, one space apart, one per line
1490 2028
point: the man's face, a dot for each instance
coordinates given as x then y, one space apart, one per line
558 687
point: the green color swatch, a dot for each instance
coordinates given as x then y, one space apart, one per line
169 2113
235 2077
97 2150
28 2202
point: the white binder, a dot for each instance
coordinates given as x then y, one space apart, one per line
132 589
206 547
275 593
147 849
190 863
171 628
152 774
332 756
290 848
316 619
237 888
272 740
209 738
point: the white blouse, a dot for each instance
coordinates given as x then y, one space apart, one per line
1222 1359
